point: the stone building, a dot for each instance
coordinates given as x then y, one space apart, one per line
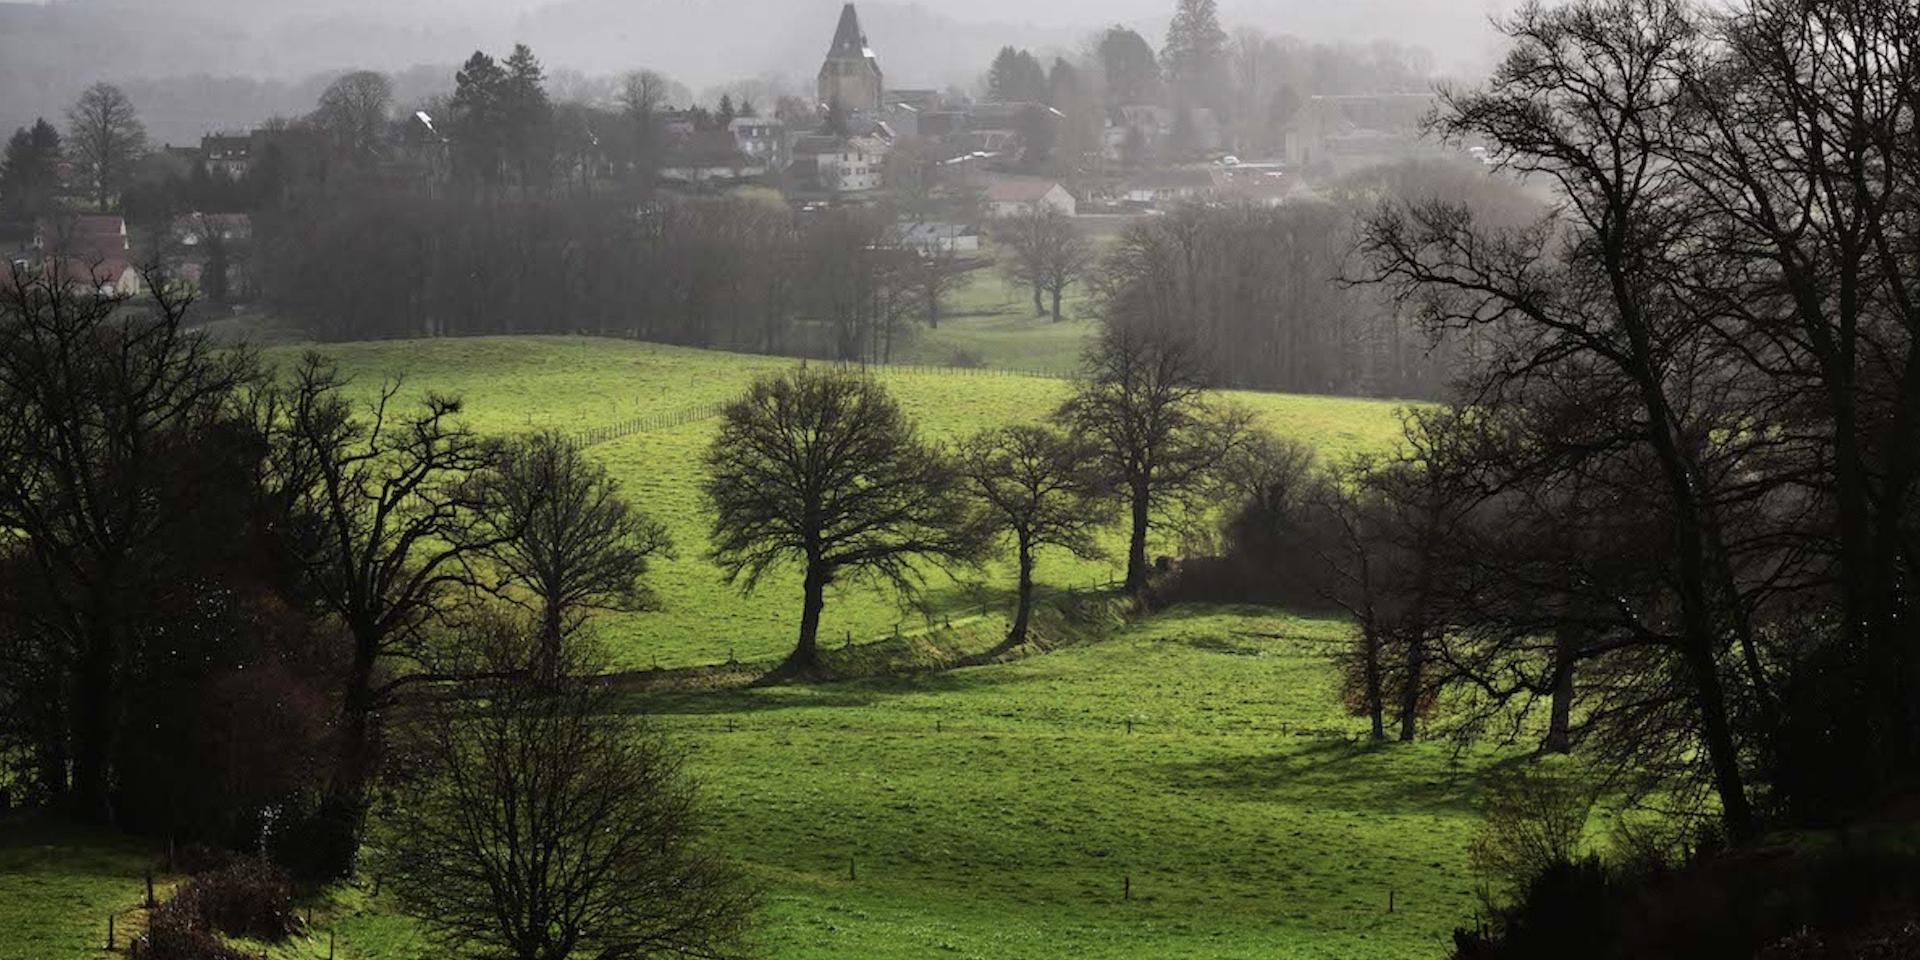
851 76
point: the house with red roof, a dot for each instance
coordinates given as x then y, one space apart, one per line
1020 196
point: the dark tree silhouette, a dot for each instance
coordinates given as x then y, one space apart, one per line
1040 488
823 469
1142 400
106 136
565 539
383 523
99 393
538 821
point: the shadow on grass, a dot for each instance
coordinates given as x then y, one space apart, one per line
1387 777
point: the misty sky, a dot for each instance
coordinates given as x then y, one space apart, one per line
287 44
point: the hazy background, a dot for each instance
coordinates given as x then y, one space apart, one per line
194 65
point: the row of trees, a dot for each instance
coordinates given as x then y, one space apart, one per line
1258 288
1673 504
103 142
721 273
822 470
1252 83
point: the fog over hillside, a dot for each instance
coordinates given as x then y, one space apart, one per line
50 51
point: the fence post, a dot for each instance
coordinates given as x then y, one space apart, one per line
150 903
1126 887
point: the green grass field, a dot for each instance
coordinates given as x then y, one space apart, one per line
998 812
517 384
1200 757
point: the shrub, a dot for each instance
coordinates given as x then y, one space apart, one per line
1535 823
966 359
249 897
177 930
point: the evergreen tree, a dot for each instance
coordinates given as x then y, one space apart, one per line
723 117
1063 84
1196 54
528 117
29 172
1016 77
478 122
1133 74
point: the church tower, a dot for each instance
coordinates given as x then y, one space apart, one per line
851 74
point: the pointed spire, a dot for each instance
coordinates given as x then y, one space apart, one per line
848 40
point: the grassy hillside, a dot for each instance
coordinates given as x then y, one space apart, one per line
998 812
517 384
1199 759
59 884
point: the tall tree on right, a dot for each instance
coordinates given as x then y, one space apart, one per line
1195 57
1142 400
479 122
1579 102
105 137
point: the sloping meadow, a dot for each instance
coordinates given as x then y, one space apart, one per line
651 409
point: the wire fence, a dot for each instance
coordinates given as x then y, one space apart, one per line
652 423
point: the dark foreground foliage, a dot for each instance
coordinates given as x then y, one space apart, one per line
1777 905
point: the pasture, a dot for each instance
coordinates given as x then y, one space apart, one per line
1199 760
514 385
1187 786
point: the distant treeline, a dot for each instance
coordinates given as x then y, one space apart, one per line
721 273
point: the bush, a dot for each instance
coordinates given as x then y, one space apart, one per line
249 897
177 930
1535 824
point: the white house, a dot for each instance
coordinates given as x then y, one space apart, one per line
844 164
1019 196
1178 185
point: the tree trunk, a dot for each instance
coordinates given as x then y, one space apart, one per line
1560 721
1137 544
1697 617
1039 308
1057 292
805 658
1412 686
92 726
552 638
343 812
1024 612
1376 695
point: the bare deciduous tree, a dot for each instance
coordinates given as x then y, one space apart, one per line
824 470
1142 400
382 519
353 115
563 534
1039 487
540 822
98 394
105 136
